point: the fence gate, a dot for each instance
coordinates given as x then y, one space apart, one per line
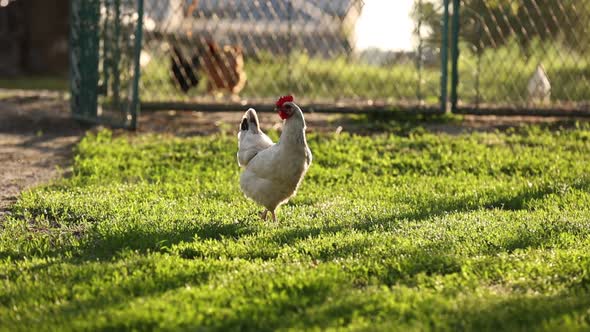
105 46
529 57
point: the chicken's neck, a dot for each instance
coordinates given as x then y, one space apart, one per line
294 131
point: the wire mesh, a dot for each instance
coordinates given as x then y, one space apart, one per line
507 57
526 56
199 53
104 60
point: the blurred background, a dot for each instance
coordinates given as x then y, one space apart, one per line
34 33
34 38
482 56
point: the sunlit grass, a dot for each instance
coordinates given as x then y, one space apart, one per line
484 231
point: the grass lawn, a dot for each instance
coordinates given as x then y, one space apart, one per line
414 231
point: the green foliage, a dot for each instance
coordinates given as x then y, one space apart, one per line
493 23
481 231
501 75
563 20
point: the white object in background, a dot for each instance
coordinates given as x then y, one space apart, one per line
539 87
144 59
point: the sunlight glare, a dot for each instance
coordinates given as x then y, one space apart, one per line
385 24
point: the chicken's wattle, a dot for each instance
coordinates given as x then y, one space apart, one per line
284 115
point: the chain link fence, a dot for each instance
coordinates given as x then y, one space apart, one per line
203 53
509 57
523 57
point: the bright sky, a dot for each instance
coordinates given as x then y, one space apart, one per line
385 24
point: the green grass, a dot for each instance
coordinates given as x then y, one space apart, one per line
417 231
310 77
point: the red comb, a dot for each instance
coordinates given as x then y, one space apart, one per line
283 100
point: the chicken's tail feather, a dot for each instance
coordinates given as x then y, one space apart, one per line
250 121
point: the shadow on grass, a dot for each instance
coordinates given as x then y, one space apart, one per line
118 294
94 244
522 200
526 313
330 307
146 240
400 123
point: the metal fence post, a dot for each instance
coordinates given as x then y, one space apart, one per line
444 58
84 57
289 46
116 56
420 55
455 54
134 108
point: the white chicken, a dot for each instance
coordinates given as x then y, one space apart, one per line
273 172
539 87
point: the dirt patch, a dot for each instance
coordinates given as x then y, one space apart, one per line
36 138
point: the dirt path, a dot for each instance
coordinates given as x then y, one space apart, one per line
36 137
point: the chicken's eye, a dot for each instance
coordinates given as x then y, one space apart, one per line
288 107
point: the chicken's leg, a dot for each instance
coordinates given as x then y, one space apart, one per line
274 216
263 215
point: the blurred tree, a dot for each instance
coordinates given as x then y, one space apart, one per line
34 34
12 35
493 23
47 36
427 15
